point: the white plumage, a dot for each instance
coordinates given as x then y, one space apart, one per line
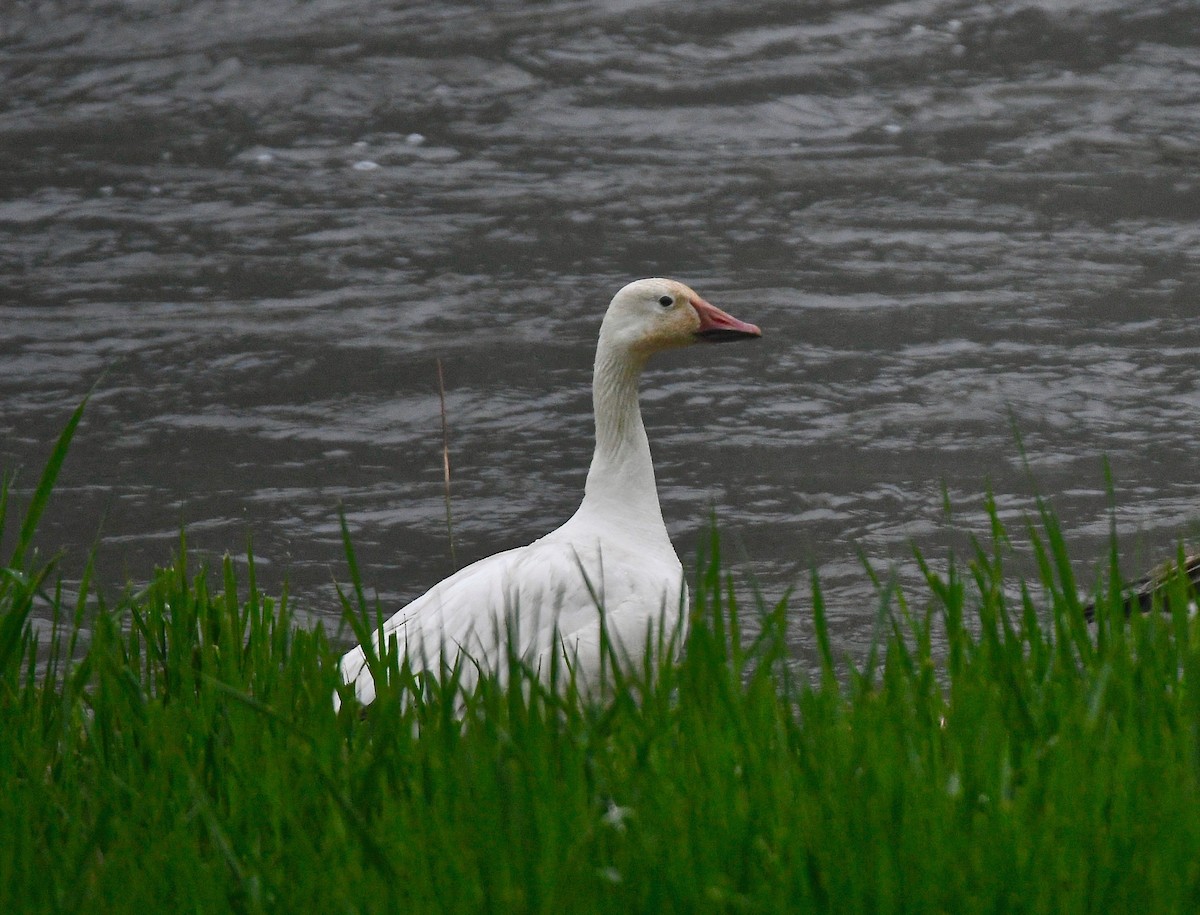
614 552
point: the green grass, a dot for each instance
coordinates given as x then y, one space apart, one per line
994 754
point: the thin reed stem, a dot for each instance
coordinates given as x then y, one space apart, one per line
446 464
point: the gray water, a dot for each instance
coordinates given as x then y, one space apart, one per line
260 225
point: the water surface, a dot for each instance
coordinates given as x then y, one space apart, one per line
261 225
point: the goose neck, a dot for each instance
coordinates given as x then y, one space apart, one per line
620 482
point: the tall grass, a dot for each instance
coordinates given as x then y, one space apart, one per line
995 753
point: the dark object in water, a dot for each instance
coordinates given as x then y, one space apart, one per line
1154 589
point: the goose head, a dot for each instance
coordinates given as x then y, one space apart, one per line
656 314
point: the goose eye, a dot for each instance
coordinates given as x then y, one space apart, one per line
666 301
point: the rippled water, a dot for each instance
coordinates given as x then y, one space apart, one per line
261 225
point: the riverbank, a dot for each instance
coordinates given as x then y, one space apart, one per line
176 748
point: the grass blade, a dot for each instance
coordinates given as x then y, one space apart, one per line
41 495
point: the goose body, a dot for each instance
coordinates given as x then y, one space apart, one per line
611 565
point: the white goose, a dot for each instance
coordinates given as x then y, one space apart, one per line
614 552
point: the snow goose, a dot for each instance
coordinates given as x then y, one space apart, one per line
614 552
